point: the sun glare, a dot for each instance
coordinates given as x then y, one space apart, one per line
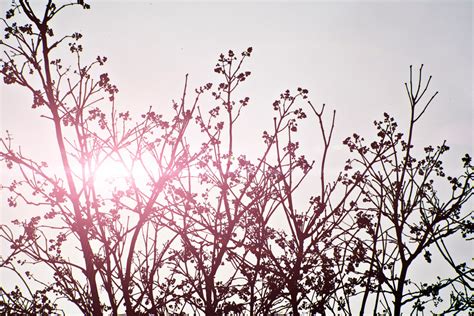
112 174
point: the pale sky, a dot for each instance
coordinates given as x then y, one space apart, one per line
353 55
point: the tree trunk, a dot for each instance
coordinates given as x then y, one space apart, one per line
397 302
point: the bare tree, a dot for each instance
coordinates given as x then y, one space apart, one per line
409 215
121 247
196 224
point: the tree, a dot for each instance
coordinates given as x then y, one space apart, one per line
195 224
106 229
406 213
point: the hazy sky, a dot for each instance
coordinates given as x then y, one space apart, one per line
353 56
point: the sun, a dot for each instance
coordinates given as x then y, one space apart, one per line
113 175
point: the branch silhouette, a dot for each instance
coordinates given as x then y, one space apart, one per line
195 223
